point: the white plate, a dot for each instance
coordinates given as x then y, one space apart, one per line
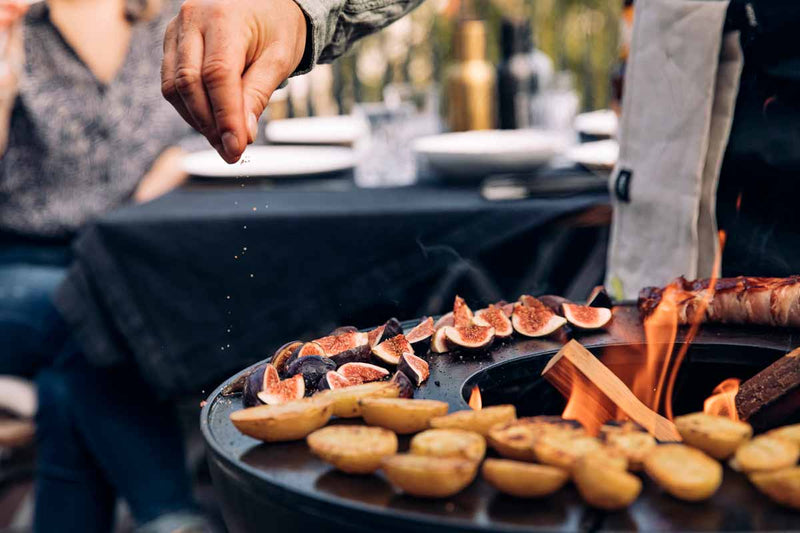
601 155
602 123
272 161
475 153
344 130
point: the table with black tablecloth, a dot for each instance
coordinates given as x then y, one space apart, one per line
199 283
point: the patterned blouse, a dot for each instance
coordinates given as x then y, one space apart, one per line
78 147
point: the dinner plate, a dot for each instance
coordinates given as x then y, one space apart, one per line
272 161
600 155
600 124
342 130
472 153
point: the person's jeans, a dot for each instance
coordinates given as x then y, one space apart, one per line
100 431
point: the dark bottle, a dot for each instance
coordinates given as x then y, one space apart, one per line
518 75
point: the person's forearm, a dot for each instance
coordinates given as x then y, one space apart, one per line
6 106
165 174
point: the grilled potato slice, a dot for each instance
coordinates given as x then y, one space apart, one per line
515 439
353 449
345 401
630 440
401 415
782 486
685 472
718 436
449 443
603 481
480 421
429 477
564 449
289 421
766 453
791 433
523 480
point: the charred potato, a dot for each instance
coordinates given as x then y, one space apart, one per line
401 415
782 486
718 436
766 453
684 472
523 480
353 449
791 433
564 449
630 440
480 421
289 421
515 439
346 400
449 443
429 477
603 481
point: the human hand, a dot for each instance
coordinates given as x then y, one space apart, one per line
222 61
12 52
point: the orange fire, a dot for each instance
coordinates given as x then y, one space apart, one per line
722 401
475 400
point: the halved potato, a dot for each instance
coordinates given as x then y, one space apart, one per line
429 477
353 449
515 439
289 421
766 453
630 440
401 415
480 421
523 480
718 436
449 443
782 486
791 433
603 481
345 401
564 449
685 472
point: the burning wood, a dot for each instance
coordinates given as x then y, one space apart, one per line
772 396
596 395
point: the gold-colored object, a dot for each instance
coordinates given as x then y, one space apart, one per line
470 81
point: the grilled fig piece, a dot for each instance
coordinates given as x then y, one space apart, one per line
439 341
333 380
358 373
462 314
391 329
535 319
261 377
374 336
336 344
599 298
343 329
554 303
496 318
405 385
414 367
282 355
585 317
284 391
471 337
389 351
359 354
506 307
309 348
312 368
420 335
444 320
235 387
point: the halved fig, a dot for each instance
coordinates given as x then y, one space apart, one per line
284 391
391 329
404 384
599 298
374 336
585 317
462 314
312 368
310 348
420 335
358 373
535 319
439 341
528 300
343 329
444 321
333 380
506 307
258 379
495 317
283 354
473 337
554 303
335 344
359 354
414 367
389 351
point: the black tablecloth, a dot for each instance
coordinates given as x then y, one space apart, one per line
199 283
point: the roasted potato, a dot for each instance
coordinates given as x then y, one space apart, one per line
480 421
289 421
791 433
718 436
353 449
630 440
523 480
782 486
685 472
603 481
401 415
766 453
429 477
515 439
564 449
449 443
345 401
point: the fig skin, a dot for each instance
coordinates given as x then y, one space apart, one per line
358 373
554 303
282 355
420 335
359 354
313 368
415 368
343 329
253 385
332 380
599 298
391 329
405 384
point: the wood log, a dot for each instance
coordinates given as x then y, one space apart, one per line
772 397
576 368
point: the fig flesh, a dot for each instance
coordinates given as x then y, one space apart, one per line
462 314
415 368
389 351
282 355
473 337
535 319
585 317
404 384
420 335
285 391
439 341
312 368
309 348
554 303
333 380
374 336
444 321
599 298
496 318
258 379
336 344
358 373
359 354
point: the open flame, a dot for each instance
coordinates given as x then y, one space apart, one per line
722 401
475 400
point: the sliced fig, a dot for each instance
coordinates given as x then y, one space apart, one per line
495 317
554 303
254 383
444 321
312 368
389 351
285 391
472 337
439 341
585 317
391 329
415 368
404 384
374 336
507 308
283 354
343 329
358 373
333 380
335 344
535 319
310 348
359 354
420 335
599 298
462 314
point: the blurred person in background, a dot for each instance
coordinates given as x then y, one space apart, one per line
83 130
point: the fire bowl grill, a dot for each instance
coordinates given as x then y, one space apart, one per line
283 488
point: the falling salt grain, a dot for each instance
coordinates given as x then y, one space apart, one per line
255 209
228 297
251 275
